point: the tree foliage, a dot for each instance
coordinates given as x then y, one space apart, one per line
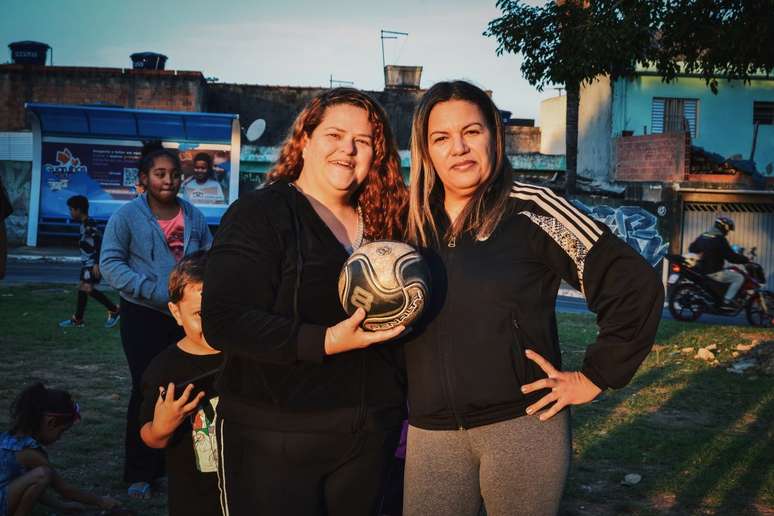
732 39
570 42
574 41
566 43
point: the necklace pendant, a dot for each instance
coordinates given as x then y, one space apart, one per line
358 241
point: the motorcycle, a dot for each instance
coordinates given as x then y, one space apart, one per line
691 294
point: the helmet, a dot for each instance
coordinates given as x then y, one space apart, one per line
724 224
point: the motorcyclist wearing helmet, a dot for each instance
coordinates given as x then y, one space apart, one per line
715 251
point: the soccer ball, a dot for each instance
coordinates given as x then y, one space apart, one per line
389 280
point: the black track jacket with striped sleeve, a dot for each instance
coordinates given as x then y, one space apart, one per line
494 298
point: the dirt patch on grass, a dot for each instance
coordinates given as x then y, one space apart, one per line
87 367
663 502
681 419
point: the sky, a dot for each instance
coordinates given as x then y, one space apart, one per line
296 43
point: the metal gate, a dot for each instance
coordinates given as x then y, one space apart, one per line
754 228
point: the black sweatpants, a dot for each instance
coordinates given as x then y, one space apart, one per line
302 474
144 333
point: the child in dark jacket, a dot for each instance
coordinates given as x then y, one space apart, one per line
89 243
185 426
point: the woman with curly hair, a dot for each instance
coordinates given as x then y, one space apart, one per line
310 404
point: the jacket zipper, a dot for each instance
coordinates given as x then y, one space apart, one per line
444 359
519 348
362 412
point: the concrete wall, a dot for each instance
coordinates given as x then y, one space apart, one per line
595 147
279 106
552 117
594 128
149 89
724 121
652 158
522 139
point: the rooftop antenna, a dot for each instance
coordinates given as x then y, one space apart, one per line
389 34
338 82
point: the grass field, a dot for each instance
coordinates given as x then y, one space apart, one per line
699 436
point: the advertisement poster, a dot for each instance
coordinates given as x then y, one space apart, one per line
107 175
206 175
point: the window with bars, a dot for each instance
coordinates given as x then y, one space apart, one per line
763 113
674 115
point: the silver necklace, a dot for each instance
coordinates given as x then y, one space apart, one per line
358 241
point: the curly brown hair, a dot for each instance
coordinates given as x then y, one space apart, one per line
383 195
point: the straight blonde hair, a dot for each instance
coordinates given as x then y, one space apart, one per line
490 201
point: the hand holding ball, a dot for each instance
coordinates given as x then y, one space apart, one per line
387 279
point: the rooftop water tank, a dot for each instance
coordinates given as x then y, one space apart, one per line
148 61
402 77
29 52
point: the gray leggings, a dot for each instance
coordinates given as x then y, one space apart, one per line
518 467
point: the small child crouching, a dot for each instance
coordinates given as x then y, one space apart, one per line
39 418
179 400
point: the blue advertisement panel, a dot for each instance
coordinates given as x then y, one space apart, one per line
107 174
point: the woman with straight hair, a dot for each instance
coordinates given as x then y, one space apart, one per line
489 402
310 406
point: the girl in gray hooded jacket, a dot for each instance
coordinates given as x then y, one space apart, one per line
143 241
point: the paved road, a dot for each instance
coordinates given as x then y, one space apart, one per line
67 273
577 305
38 271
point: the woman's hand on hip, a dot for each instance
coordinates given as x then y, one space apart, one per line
567 388
348 335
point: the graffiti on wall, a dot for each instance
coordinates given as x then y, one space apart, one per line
635 225
16 179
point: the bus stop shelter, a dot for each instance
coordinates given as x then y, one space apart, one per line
94 151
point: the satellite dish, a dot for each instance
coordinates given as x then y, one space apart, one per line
256 129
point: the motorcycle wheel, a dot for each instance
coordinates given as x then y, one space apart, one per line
685 302
756 315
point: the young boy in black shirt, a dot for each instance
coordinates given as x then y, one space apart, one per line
89 243
179 401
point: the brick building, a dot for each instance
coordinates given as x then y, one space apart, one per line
148 89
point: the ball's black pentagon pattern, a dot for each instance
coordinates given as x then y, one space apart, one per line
389 280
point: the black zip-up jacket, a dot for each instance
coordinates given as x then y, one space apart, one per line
715 251
276 376
492 299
